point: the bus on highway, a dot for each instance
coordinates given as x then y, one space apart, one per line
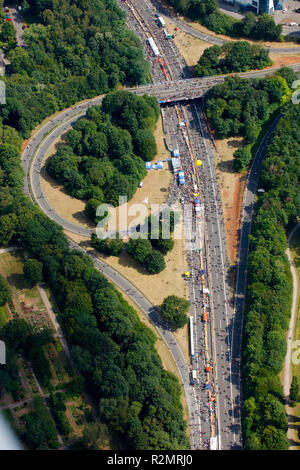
194 377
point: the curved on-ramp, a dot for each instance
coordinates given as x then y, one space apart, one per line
32 161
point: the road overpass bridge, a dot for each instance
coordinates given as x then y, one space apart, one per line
193 88
178 90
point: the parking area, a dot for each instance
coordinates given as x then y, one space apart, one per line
231 9
289 17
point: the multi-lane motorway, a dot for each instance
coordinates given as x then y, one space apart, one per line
218 342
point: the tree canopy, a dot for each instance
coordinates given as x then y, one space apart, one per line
33 272
269 288
103 157
74 50
262 27
5 291
174 311
238 56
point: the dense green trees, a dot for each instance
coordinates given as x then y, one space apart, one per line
8 35
33 272
207 13
40 430
108 246
20 338
75 53
238 56
94 436
154 262
148 248
75 50
142 252
16 334
103 157
242 158
240 107
113 350
269 288
9 375
173 311
5 291
294 390
57 406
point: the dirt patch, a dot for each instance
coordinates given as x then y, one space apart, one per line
284 59
232 188
157 286
191 48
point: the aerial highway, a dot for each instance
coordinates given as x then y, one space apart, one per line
184 26
214 412
213 340
32 161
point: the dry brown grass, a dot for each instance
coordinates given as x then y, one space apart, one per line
232 187
191 48
284 59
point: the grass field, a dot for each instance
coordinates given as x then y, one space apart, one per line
4 316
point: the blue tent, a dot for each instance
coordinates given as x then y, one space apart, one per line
181 177
159 165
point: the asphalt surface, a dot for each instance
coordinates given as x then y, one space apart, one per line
193 88
173 18
223 352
